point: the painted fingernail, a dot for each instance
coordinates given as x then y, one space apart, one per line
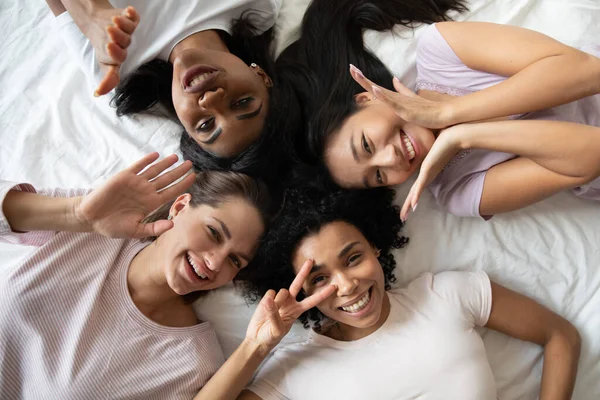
415 207
96 94
357 71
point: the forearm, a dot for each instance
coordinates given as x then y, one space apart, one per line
82 11
235 374
543 84
33 212
565 148
561 356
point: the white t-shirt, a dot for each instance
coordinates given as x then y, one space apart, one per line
163 24
70 330
427 349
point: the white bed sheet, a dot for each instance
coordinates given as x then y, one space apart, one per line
53 132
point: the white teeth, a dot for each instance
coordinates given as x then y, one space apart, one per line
359 305
409 146
198 78
195 267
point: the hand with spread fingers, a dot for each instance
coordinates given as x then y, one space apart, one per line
117 208
276 313
408 105
444 148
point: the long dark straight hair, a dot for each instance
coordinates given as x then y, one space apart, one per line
331 39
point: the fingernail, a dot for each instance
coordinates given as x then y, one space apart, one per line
96 94
396 79
357 71
415 207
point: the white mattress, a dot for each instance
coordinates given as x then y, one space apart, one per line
53 132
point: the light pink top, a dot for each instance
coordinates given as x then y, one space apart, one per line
459 186
70 330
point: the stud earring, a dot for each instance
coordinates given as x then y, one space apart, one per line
253 65
170 217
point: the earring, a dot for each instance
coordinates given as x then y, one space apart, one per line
253 65
170 217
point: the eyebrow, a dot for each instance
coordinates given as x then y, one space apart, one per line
225 228
342 253
347 249
213 137
250 114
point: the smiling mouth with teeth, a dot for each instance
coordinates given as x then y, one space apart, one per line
199 78
195 268
409 146
359 305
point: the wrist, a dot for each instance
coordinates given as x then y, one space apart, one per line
74 218
254 350
449 113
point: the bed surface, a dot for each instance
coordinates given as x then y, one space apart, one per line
53 132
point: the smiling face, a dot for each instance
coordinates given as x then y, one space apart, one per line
207 246
343 257
375 147
221 102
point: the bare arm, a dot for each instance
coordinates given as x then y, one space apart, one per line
523 318
534 63
554 156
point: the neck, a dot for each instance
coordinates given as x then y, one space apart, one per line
210 40
148 285
347 333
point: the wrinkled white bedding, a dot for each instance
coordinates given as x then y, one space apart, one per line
53 132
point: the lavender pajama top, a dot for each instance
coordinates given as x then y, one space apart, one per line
458 188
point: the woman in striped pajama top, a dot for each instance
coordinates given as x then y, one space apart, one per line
87 315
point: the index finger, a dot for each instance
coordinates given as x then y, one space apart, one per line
317 298
296 285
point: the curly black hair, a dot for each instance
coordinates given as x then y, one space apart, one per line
305 212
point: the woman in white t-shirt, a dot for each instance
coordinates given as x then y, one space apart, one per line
87 315
207 63
372 342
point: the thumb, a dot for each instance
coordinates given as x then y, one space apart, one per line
109 82
153 229
400 88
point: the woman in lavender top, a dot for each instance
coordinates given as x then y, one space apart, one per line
532 105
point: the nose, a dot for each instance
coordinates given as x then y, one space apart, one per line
212 98
389 156
345 284
214 261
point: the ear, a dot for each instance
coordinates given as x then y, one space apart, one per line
362 99
376 251
180 204
262 74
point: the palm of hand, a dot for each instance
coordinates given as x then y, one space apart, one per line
117 208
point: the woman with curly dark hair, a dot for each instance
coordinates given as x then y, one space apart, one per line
371 341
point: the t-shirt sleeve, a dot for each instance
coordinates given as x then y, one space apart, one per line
270 379
78 46
470 293
36 238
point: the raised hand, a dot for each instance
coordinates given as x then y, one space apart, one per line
444 148
117 208
276 313
408 105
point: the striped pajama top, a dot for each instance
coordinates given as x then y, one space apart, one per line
70 330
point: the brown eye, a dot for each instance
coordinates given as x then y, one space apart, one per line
215 234
354 258
365 144
235 261
242 103
206 126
